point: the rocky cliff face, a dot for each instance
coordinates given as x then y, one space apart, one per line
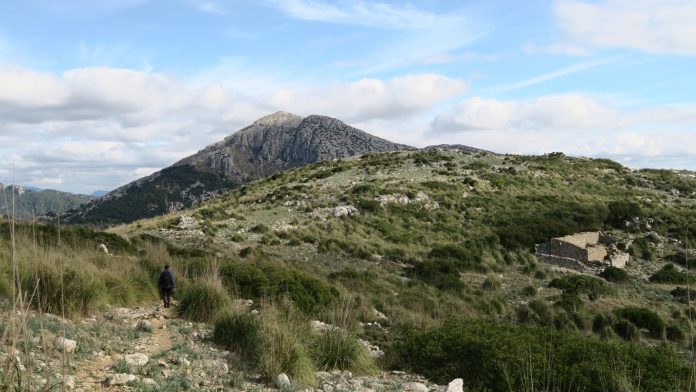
271 144
282 141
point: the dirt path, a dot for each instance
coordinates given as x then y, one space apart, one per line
93 372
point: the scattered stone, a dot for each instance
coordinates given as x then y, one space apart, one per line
137 359
283 381
319 326
183 362
455 385
415 387
149 382
121 379
187 222
64 345
219 367
374 351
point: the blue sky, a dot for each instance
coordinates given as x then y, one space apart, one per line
96 94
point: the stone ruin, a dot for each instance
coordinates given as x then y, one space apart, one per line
587 252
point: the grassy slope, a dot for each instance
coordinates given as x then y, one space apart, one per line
464 249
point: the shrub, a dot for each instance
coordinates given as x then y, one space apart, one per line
239 331
621 211
681 294
259 280
499 356
615 274
338 349
627 330
600 322
491 284
674 333
203 299
529 291
640 248
576 284
643 318
669 274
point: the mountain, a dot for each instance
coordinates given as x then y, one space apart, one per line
271 144
98 193
32 202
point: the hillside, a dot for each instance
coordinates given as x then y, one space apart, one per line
271 144
34 203
415 261
422 237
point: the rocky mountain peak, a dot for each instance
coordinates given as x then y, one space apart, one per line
278 118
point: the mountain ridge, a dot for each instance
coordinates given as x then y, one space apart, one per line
273 143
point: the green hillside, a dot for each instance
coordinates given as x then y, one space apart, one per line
433 237
428 256
29 203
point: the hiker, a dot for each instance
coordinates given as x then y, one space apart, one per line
166 285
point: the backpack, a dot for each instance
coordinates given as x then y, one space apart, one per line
167 281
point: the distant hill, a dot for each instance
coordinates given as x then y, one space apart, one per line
32 202
98 193
271 144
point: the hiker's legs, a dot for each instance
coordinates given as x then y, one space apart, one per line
167 298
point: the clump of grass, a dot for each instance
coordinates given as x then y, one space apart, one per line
529 291
338 349
203 299
491 284
274 342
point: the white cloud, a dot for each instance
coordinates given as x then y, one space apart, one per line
97 128
652 26
373 14
367 99
575 124
559 112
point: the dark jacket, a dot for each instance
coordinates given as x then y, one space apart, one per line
162 281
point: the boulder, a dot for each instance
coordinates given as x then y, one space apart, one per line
415 387
137 359
283 381
456 385
121 379
64 345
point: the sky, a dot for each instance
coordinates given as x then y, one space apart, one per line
95 94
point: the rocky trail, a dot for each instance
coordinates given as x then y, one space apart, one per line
150 349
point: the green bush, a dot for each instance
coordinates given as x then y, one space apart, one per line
621 211
498 356
669 274
615 274
240 332
259 280
203 299
674 333
627 330
576 284
643 318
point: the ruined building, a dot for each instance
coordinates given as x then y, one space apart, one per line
589 251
